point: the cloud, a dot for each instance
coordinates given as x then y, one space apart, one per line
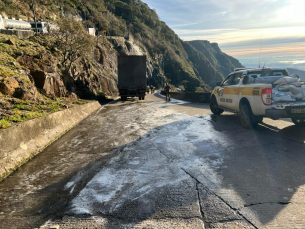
186 24
238 25
234 35
293 62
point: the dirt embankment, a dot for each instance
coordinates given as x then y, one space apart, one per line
34 83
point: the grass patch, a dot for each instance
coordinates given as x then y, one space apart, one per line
5 123
24 110
22 107
79 102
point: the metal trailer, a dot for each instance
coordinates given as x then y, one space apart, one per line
132 76
14 24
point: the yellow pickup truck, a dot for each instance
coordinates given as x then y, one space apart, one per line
248 92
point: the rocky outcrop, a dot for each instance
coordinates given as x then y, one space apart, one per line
43 62
8 85
11 87
50 84
28 93
18 87
44 74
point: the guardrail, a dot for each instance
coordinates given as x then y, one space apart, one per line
191 96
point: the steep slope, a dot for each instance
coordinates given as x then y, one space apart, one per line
204 68
221 61
190 65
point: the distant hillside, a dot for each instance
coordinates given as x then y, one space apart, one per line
296 71
193 66
222 62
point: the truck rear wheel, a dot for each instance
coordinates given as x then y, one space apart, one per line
140 98
247 119
143 98
298 121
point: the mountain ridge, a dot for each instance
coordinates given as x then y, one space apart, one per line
300 73
191 65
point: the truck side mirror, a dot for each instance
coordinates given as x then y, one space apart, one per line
218 84
245 80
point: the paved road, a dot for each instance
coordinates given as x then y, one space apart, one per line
157 164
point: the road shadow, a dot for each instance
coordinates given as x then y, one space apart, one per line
259 165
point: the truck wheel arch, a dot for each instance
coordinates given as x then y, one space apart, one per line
244 101
213 96
255 119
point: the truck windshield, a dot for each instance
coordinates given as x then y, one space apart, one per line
33 25
268 73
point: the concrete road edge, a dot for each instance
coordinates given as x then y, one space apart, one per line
21 142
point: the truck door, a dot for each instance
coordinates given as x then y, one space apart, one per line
231 92
221 100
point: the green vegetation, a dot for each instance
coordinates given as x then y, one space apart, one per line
5 123
73 41
25 110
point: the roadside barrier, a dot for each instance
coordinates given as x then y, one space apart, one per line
21 142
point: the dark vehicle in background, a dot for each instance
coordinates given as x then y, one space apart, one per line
132 76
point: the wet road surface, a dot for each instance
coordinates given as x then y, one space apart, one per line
157 164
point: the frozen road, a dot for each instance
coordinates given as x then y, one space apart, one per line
157 164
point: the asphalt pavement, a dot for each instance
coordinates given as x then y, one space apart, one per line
158 164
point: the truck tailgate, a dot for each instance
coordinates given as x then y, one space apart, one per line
286 110
289 105
132 72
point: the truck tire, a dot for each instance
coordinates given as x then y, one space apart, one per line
122 98
143 98
140 98
246 117
214 106
298 121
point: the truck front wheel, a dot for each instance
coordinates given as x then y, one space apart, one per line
298 121
214 106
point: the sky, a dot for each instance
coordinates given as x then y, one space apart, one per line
252 31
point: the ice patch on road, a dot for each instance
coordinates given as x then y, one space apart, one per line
69 185
134 162
174 101
158 159
114 185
